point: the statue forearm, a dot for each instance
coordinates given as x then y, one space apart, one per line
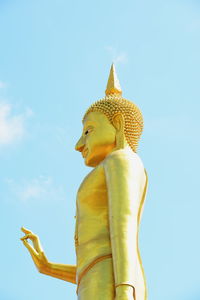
60 271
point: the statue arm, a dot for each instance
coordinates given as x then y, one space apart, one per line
60 271
125 178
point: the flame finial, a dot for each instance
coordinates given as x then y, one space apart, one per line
113 85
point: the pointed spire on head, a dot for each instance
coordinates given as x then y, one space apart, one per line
113 85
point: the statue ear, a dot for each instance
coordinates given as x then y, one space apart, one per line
118 123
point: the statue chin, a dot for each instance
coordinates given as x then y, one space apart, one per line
91 162
95 160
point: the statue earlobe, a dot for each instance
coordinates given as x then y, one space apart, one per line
118 123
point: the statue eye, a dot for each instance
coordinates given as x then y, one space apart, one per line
88 131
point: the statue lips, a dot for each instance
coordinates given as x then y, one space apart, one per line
84 152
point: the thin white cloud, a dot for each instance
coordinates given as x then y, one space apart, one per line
121 58
41 189
12 126
117 57
3 84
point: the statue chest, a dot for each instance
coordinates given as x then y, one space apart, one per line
92 193
92 209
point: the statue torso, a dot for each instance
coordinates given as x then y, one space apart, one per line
93 235
92 229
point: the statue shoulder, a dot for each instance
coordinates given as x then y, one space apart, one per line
124 157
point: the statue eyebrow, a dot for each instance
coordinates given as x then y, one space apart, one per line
88 123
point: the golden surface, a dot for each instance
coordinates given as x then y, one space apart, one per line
133 120
113 85
108 212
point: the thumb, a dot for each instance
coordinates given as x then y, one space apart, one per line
31 250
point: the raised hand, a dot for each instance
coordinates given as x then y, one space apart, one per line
36 250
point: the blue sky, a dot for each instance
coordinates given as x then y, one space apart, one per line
55 61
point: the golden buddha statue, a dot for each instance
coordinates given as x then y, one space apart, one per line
109 205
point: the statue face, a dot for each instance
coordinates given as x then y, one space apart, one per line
98 138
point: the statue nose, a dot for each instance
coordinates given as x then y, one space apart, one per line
80 145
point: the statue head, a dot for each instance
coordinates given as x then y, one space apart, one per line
110 123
